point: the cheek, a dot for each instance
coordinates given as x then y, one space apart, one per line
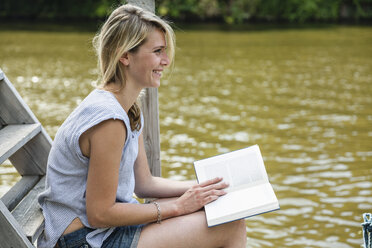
145 65
140 69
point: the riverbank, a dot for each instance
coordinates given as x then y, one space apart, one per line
93 26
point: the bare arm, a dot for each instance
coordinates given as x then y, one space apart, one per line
106 142
148 186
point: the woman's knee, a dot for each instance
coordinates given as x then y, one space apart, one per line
236 234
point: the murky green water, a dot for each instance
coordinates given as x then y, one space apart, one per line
305 96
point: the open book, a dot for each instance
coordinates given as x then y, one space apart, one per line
249 192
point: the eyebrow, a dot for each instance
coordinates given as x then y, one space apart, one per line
157 47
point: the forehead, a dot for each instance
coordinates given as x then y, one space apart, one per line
156 38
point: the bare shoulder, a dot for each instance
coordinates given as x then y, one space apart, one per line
109 132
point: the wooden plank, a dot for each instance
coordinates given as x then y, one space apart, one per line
145 4
13 137
13 110
32 158
28 213
151 130
18 191
11 233
2 123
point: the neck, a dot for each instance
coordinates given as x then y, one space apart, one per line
126 96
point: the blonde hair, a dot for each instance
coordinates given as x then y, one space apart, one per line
126 30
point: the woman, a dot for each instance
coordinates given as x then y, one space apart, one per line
98 158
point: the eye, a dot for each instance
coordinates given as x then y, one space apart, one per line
159 51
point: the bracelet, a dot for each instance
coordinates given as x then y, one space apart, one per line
159 212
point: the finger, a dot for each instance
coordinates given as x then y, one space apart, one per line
211 181
210 199
221 185
214 192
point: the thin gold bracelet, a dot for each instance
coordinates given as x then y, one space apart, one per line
159 212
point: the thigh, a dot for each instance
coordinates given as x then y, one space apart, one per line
183 231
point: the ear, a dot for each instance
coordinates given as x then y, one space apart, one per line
124 59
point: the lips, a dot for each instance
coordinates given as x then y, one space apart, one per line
157 72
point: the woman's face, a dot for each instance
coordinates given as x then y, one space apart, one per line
144 67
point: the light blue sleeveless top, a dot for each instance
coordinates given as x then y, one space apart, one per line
64 197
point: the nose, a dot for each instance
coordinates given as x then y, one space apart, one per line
165 60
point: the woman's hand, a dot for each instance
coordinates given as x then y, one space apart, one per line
201 194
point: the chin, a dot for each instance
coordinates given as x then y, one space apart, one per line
155 84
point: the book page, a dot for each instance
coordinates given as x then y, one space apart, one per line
250 191
243 203
239 168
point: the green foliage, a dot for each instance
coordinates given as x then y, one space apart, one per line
228 11
239 11
55 9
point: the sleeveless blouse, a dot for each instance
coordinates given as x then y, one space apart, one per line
63 199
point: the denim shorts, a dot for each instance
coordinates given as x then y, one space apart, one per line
121 237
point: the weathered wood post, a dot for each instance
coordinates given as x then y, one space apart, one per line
150 110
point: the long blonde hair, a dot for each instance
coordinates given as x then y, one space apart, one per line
124 31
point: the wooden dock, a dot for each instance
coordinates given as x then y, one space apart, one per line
26 144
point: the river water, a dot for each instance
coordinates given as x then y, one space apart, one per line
303 95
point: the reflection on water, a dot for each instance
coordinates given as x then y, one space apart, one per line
303 95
